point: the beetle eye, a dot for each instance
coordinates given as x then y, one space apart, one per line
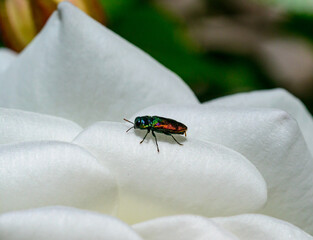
137 123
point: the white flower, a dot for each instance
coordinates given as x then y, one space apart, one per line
248 155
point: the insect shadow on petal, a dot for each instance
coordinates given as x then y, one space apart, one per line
158 124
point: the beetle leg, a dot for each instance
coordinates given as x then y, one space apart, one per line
145 136
156 141
176 140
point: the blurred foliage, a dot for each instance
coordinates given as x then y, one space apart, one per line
117 8
292 6
300 24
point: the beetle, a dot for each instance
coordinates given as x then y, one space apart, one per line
158 124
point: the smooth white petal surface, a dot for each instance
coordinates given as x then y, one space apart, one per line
18 126
182 227
243 227
78 69
198 177
56 223
6 58
277 98
259 227
270 139
36 174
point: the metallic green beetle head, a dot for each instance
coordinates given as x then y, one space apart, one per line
141 122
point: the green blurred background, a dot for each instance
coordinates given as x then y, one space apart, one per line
221 47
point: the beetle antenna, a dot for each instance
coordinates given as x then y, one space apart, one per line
128 121
130 128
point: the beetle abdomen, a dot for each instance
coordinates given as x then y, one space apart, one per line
168 125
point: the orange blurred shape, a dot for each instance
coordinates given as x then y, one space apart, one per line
21 20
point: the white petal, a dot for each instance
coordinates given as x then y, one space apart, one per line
198 177
259 227
182 227
243 227
58 223
17 126
270 139
277 98
79 70
6 58
35 174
